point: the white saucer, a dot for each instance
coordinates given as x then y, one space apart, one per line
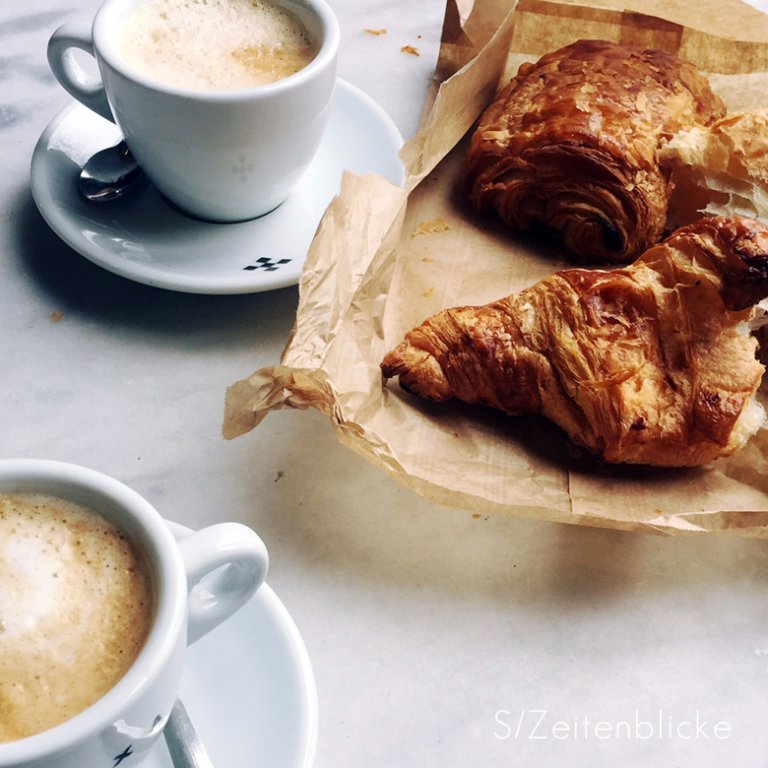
142 237
250 690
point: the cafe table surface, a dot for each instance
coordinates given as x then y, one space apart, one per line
437 637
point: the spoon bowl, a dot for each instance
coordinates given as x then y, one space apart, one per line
110 174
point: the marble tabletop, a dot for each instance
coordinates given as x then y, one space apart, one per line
437 638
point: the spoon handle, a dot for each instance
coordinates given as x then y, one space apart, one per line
184 745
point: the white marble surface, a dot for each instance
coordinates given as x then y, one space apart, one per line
423 624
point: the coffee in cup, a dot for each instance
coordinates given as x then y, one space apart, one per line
223 153
118 576
76 607
215 45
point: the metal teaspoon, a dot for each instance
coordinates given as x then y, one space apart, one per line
184 745
109 174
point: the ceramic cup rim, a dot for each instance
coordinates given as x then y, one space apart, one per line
43 476
111 13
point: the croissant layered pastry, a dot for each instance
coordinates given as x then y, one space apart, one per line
651 364
720 169
571 145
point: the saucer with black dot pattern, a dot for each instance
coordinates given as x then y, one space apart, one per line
144 238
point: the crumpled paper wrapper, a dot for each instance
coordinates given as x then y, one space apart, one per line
384 258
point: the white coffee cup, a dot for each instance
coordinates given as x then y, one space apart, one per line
219 155
123 725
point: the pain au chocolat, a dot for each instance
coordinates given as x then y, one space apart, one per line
651 364
571 145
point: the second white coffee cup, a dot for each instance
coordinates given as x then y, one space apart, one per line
219 155
198 583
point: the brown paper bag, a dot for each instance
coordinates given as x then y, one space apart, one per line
385 258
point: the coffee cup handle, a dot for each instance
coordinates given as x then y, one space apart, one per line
235 561
86 88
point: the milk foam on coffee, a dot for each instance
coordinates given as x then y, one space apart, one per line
215 44
76 605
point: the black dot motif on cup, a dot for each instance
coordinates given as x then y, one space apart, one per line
126 753
265 264
243 169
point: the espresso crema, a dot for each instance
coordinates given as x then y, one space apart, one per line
76 607
215 44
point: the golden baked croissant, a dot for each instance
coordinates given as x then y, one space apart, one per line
647 364
571 144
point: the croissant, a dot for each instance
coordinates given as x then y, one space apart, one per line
652 363
720 169
571 144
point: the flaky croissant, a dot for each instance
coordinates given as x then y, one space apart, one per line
649 364
720 169
571 144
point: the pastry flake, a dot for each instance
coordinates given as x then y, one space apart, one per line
719 169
